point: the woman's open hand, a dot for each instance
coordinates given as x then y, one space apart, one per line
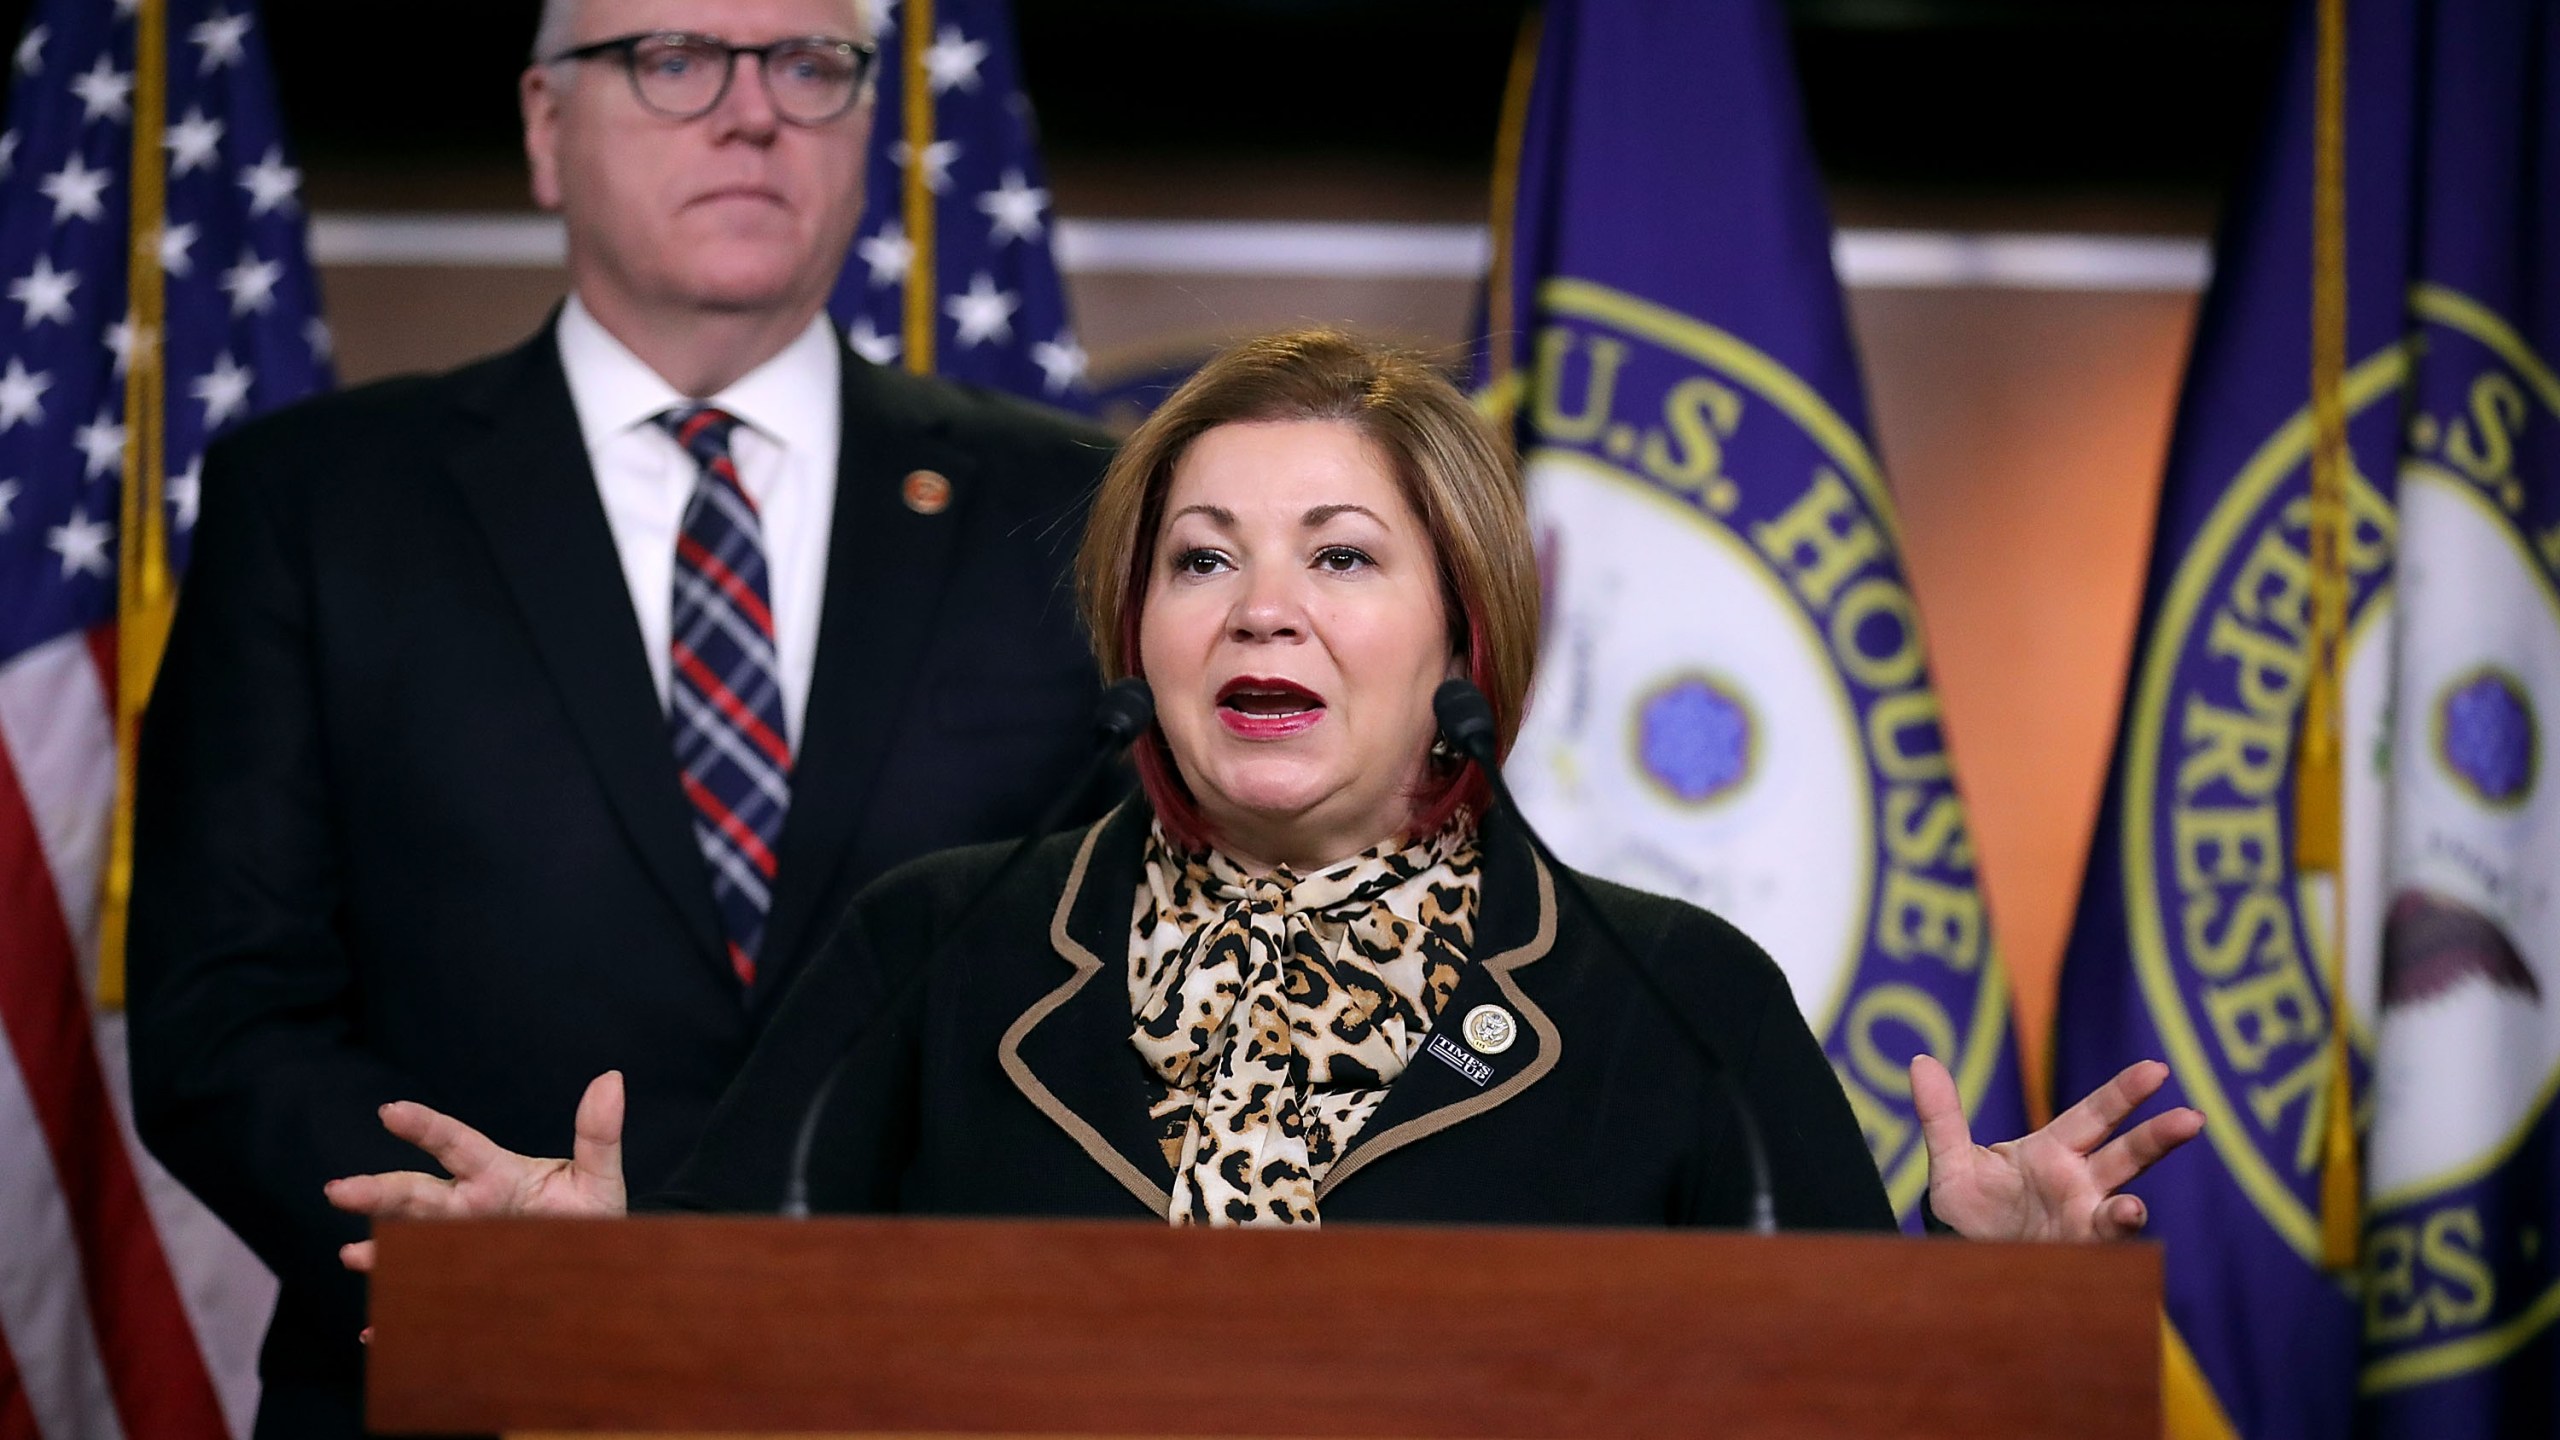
488 1180
2059 1183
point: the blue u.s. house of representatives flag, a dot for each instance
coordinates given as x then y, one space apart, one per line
1733 706
2424 956
952 272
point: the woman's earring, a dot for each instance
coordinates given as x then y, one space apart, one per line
1441 754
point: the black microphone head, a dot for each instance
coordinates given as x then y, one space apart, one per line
1466 720
1126 709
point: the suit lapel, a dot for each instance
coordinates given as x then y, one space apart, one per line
1462 1072
1068 1051
521 467
887 566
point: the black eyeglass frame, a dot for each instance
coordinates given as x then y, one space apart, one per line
626 48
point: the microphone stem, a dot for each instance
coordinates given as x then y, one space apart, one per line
1764 1214
795 1190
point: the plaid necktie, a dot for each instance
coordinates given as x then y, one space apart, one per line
725 702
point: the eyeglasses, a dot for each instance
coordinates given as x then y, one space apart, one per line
811 79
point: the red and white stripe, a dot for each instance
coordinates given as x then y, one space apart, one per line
125 1308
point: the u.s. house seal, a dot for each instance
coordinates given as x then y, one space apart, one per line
2452 845
1733 706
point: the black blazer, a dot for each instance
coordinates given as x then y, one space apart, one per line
1005 1082
410 825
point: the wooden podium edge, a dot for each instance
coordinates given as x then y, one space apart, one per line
735 1326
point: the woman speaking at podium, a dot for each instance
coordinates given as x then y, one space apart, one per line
1312 972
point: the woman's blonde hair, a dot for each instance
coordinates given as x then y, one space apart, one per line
1456 473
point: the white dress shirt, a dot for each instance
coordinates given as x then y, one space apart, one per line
785 449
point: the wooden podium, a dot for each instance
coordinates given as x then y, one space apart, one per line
741 1326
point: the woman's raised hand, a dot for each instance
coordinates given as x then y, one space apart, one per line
2059 1183
488 1180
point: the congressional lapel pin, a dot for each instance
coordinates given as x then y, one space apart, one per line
1450 1053
1490 1029
926 492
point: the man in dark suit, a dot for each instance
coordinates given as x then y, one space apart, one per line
538 719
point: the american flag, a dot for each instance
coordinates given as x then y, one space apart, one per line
124 1308
966 162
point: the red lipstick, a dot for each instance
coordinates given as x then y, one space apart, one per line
1255 707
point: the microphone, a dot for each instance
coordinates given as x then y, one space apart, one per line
1120 716
1466 722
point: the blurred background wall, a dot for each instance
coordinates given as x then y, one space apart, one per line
2027 188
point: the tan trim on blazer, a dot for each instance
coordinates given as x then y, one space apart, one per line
1155 1197
1550 1046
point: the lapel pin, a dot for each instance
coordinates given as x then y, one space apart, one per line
926 492
1490 1029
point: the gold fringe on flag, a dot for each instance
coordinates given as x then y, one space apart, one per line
1503 382
916 34
2189 1410
2319 776
146 592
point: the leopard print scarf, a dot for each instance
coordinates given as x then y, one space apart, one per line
1273 1011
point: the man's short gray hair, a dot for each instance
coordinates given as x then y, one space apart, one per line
559 26
552 33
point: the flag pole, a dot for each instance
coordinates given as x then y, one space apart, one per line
915 33
2319 779
1500 397
146 594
